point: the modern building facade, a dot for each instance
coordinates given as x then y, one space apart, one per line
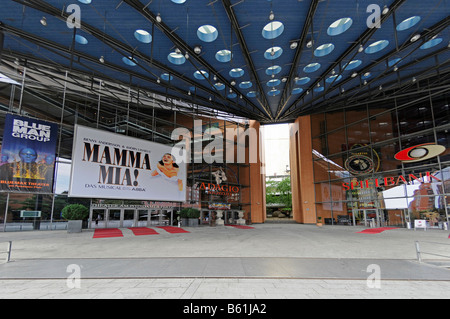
363 86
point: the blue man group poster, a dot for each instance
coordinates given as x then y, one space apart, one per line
27 160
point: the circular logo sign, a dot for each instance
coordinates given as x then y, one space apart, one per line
419 152
359 164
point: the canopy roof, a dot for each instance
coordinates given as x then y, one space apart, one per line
271 61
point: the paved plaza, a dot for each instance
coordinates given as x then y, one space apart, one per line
269 261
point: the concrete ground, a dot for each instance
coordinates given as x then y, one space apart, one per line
270 261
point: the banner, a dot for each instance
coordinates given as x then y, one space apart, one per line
108 165
27 161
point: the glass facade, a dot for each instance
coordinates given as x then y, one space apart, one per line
358 180
68 99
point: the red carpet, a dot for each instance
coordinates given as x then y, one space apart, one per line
375 230
107 232
173 230
139 231
241 226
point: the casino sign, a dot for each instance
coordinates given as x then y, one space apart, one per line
362 161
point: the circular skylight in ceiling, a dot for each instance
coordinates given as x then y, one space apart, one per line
273 92
80 39
236 72
366 75
232 95
297 90
339 26
393 61
318 89
179 1
176 58
273 53
273 82
334 78
166 77
352 65
219 86
207 33
252 94
129 61
245 85
312 67
376 46
324 49
85 1
272 30
303 80
143 36
201 75
223 56
272 70
431 43
408 23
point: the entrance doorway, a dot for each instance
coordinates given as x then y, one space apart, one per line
129 217
371 217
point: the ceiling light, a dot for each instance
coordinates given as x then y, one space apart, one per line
395 69
189 92
284 79
365 82
361 48
186 55
158 80
177 51
16 62
380 87
158 18
197 49
271 16
333 72
385 10
293 45
102 59
233 83
414 79
415 38
44 21
354 74
309 44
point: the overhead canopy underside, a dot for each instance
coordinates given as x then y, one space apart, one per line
270 61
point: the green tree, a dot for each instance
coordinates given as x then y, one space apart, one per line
279 192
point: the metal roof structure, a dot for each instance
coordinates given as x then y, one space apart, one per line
267 60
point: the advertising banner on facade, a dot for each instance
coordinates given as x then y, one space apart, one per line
108 165
28 155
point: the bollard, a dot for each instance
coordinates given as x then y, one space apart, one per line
418 252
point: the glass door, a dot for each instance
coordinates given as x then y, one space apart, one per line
113 218
98 218
143 218
129 218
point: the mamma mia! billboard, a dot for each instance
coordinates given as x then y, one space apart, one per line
108 165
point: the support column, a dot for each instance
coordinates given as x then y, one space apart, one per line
257 180
302 174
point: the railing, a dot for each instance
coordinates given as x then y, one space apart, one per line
7 252
419 252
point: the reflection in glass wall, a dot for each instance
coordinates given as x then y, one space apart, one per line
358 180
68 98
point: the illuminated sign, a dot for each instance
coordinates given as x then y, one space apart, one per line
216 189
419 152
390 181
